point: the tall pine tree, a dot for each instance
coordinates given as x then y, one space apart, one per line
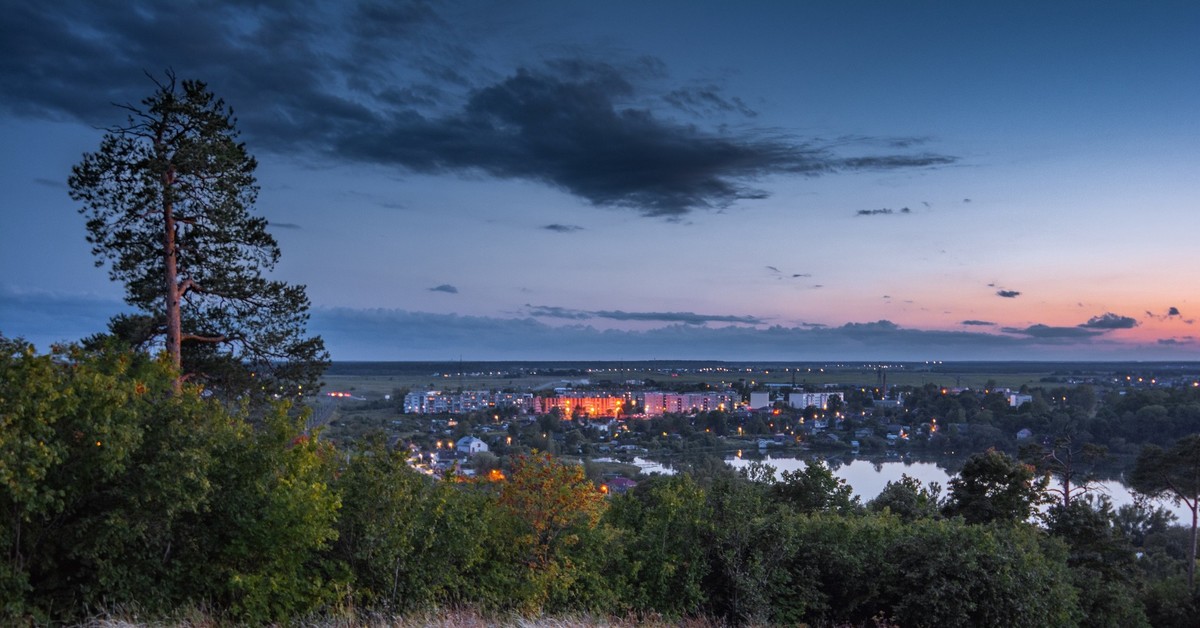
168 198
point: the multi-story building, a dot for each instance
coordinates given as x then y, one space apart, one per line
435 401
801 400
592 407
659 403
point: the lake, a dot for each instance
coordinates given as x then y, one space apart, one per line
868 478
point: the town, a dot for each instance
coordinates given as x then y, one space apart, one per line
614 423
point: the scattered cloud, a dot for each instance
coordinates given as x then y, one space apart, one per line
882 212
385 334
780 274
51 183
283 225
557 228
1008 294
1172 312
1108 321
447 288
978 323
707 100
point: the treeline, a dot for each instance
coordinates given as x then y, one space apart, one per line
973 420
118 493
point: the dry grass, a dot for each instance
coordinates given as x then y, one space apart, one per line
442 618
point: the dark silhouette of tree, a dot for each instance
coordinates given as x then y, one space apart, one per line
168 199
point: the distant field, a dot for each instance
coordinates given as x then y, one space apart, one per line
375 379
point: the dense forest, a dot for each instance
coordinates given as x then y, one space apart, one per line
117 492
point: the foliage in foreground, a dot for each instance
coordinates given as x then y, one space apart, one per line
117 493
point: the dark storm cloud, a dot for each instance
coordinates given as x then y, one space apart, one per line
1008 294
571 132
400 89
978 323
1046 332
687 318
882 212
557 228
447 288
1108 321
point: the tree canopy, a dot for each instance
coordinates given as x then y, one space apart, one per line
168 199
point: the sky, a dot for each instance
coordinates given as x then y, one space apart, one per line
630 180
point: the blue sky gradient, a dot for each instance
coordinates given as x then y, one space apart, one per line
629 180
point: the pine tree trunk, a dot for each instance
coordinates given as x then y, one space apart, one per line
171 267
1192 546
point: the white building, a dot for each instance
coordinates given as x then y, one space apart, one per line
1016 399
470 445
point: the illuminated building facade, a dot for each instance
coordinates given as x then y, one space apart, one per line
591 407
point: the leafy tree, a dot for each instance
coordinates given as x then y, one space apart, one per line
398 529
815 489
168 199
993 487
116 490
664 515
1101 561
908 499
747 539
864 571
1175 474
554 506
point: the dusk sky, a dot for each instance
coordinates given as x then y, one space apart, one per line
632 180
